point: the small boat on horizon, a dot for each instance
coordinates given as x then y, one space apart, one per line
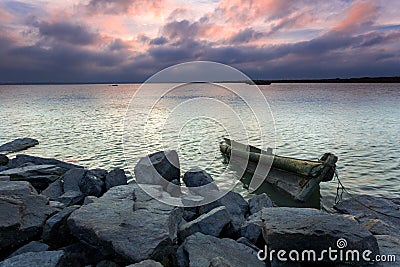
297 177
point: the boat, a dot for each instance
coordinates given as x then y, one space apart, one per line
298 178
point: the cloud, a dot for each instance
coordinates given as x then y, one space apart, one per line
122 6
245 36
359 15
159 41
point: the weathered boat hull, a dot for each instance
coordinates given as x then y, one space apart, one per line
299 178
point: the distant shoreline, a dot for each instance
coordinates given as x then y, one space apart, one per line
256 81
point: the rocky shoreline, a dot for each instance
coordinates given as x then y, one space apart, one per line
54 213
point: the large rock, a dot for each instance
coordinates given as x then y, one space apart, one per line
55 231
72 179
366 207
158 168
3 160
79 254
197 177
389 246
114 178
33 246
21 160
91 185
128 223
36 259
40 176
54 190
236 206
22 213
257 202
146 263
200 250
18 145
310 229
210 223
70 198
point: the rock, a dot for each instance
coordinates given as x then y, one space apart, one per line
247 242
3 160
152 168
146 263
4 178
55 231
36 259
236 206
258 202
79 254
107 263
196 178
56 204
128 223
89 199
40 176
54 190
310 229
20 160
189 215
91 185
210 223
389 247
22 213
174 188
200 250
115 177
366 207
378 227
101 173
33 246
72 179
251 229
18 145
70 198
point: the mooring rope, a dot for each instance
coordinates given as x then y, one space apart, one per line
339 197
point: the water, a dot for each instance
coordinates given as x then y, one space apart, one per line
85 124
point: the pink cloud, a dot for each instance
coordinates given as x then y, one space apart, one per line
359 14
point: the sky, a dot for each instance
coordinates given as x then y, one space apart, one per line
130 40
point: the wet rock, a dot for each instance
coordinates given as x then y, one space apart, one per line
36 259
4 178
247 242
22 213
389 246
20 160
79 254
378 227
197 177
107 263
366 207
89 199
40 176
114 178
236 206
146 263
54 190
310 229
91 185
128 223
55 231
251 229
210 223
101 173
33 246
57 205
152 168
72 179
202 250
70 198
18 145
258 202
3 160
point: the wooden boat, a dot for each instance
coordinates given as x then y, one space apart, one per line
297 177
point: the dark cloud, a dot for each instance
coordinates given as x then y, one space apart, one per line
66 32
118 45
159 41
246 36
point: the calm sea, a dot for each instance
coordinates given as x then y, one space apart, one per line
360 123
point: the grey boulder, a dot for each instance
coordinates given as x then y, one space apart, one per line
114 178
158 168
197 177
389 246
211 223
33 246
35 259
70 198
3 160
54 190
22 213
128 223
146 263
309 229
200 250
18 145
22 159
257 202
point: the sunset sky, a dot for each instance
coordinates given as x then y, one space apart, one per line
129 40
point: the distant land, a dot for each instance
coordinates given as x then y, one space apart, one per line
256 81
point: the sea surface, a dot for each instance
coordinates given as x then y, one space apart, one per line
96 126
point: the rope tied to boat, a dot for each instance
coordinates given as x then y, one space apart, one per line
339 197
